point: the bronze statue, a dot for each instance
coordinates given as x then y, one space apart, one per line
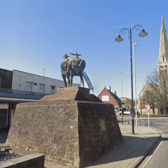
71 68
76 66
64 70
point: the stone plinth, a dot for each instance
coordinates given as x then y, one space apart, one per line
69 131
69 93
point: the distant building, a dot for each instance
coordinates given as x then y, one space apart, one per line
126 103
109 97
163 50
141 107
6 79
161 66
18 86
23 81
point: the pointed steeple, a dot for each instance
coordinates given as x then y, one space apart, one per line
163 52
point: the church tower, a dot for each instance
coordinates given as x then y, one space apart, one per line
163 49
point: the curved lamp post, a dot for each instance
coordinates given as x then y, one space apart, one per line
119 39
135 83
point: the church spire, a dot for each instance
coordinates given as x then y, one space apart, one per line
163 53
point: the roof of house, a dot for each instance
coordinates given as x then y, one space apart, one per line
114 95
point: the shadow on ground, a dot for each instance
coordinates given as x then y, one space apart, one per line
132 148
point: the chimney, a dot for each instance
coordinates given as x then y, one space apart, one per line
109 88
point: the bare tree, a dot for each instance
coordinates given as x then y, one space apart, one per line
158 92
141 104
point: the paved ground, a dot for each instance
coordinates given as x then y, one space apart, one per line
129 154
158 159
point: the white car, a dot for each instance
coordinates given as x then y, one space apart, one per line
119 113
125 112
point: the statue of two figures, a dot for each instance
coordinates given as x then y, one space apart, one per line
71 68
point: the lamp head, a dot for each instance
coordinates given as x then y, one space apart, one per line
119 38
143 33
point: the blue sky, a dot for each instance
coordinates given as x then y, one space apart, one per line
35 34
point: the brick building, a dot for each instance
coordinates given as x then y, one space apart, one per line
109 97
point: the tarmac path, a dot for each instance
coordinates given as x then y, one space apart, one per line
159 157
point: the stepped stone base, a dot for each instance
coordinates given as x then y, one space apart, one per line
67 130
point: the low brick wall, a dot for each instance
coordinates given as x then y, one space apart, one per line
28 160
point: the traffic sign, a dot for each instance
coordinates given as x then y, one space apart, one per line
148 107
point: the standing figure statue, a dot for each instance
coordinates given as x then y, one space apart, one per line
76 66
64 70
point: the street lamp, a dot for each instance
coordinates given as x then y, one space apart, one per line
122 96
119 39
135 84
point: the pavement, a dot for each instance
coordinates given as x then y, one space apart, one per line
127 155
133 151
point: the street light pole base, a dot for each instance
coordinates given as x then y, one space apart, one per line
133 125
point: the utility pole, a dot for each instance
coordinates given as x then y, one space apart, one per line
122 95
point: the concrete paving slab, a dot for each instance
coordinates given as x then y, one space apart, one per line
130 153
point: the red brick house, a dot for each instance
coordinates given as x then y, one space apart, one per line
109 97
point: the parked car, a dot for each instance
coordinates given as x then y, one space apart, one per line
125 113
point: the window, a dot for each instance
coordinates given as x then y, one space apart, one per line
42 88
29 86
52 89
105 98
